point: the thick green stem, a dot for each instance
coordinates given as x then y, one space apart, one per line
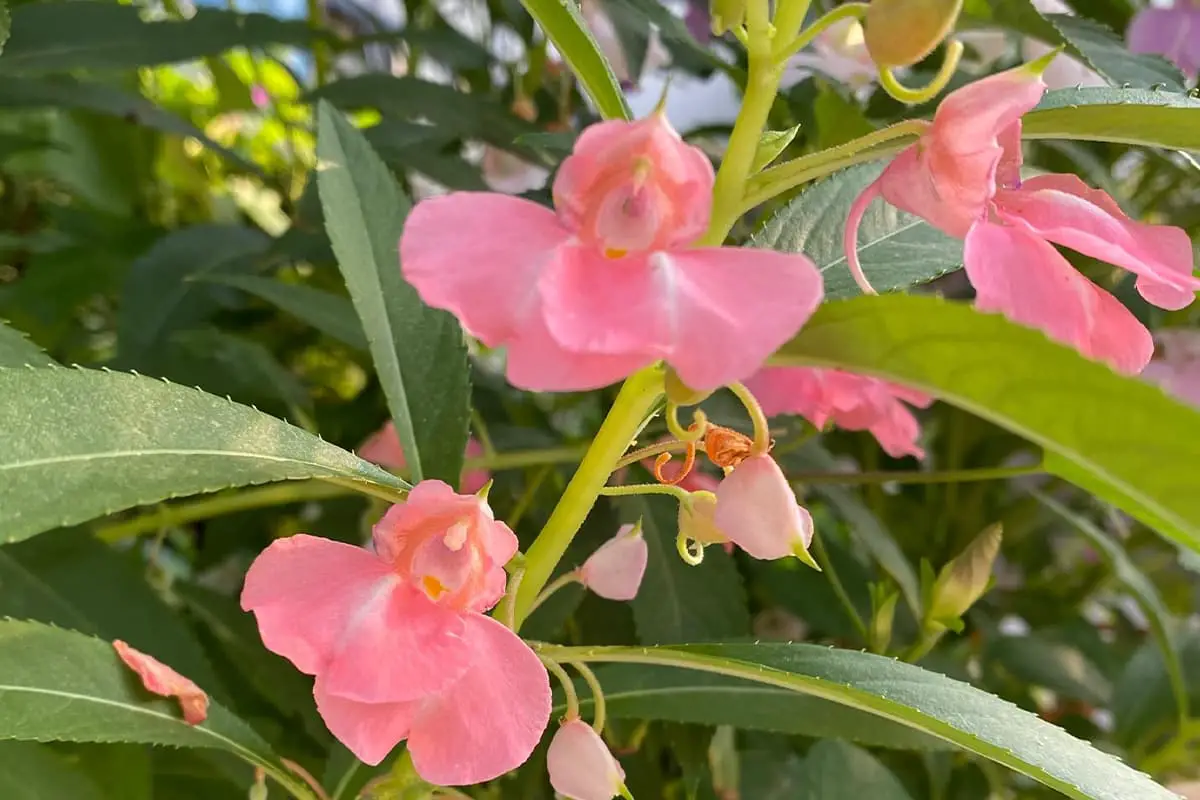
636 400
797 42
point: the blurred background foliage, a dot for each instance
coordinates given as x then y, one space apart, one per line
158 213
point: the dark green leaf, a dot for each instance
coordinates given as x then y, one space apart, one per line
1018 379
925 701
121 771
16 350
30 771
840 771
1040 661
5 24
110 441
678 602
326 312
420 353
897 250
1111 57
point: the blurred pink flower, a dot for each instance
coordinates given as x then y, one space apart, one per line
609 284
259 96
161 680
853 402
398 641
757 510
580 765
963 177
383 448
838 52
1172 32
1176 366
616 569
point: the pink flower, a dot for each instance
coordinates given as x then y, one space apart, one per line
839 52
383 448
580 765
853 402
1173 33
160 679
963 177
398 641
616 569
608 283
757 510
1176 368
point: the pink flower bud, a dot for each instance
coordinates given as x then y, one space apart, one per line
757 510
580 766
615 570
160 679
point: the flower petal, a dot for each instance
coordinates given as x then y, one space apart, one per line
616 569
538 363
161 680
1173 33
488 722
369 730
757 510
908 184
478 255
1065 210
1027 280
580 765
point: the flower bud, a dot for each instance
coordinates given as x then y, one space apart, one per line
964 580
616 569
726 15
757 511
899 33
580 766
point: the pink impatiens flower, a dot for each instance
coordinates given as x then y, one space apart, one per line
398 641
1176 367
161 680
963 177
580 765
1172 32
608 282
853 402
757 510
616 569
383 448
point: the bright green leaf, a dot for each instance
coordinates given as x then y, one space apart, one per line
16 350
1040 390
897 250
326 312
110 441
419 352
956 712
770 145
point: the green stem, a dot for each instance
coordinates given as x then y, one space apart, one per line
796 43
930 636
316 22
652 450
636 399
892 86
789 19
566 579
912 477
762 429
599 715
567 684
822 557
677 492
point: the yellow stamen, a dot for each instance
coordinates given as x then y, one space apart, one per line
434 588
615 252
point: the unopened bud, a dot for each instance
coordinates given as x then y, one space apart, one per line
679 392
580 765
964 580
899 33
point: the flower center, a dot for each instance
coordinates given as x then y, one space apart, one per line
631 213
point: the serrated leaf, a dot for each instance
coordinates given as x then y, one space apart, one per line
110 441
840 771
31 771
897 249
326 312
1110 56
973 720
678 602
16 350
420 353
57 685
770 145
1127 116
1040 390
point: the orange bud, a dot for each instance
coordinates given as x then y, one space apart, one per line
899 33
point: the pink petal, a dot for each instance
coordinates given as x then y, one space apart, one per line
161 680
538 363
580 765
1173 33
908 184
971 119
384 448
615 570
369 730
757 510
1065 210
489 721
336 609
478 255
474 480
1028 281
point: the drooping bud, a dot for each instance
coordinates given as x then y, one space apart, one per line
899 33
616 569
964 579
580 765
757 511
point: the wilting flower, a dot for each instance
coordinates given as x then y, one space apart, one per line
398 641
853 402
383 448
757 510
609 284
616 569
161 680
580 765
963 177
1176 367
1172 32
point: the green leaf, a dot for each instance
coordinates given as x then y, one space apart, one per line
30 771
1127 116
420 353
1038 660
1111 57
1144 707
563 25
678 602
57 685
1143 591
1018 379
16 350
5 24
110 441
673 694
897 250
840 771
80 35
971 719
121 771
770 145
326 312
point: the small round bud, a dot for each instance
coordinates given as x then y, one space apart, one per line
899 33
